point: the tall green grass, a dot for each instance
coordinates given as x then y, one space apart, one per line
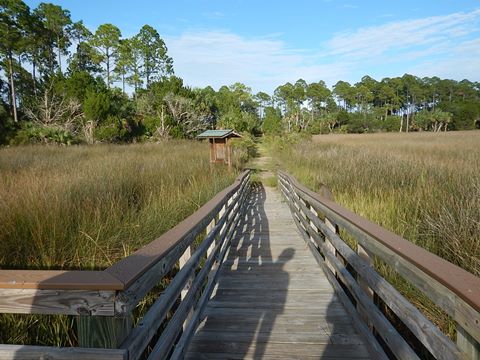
87 207
422 186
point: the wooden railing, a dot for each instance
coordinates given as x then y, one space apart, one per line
104 300
362 289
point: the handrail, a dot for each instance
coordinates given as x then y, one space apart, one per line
105 299
132 267
461 282
435 277
124 272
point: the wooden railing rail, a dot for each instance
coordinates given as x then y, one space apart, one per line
361 288
104 300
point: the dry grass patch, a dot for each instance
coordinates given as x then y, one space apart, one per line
87 207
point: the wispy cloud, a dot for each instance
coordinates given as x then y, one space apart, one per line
220 58
446 46
214 15
408 34
350 6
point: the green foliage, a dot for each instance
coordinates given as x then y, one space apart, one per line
96 106
112 130
244 149
35 41
106 40
240 121
31 133
78 84
272 121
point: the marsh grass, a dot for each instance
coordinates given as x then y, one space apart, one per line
87 207
422 186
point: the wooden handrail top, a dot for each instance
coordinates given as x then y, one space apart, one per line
120 275
462 283
132 267
59 280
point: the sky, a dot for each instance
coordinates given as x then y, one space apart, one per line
264 44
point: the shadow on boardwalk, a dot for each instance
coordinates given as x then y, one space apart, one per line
272 300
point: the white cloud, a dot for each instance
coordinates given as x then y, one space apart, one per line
445 46
219 58
374 41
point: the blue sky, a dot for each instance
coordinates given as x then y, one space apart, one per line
267 43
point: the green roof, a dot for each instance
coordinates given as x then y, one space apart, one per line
218 133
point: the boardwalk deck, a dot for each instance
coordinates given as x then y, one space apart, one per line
272 300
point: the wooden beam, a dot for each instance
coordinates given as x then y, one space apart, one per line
66 302
29 352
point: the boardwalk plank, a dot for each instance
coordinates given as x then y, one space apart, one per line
272 301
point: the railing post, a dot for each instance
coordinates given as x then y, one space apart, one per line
334 228
210 227
312 225
106 332
368 257
181 263
467 344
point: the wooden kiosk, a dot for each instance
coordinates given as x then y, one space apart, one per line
220 144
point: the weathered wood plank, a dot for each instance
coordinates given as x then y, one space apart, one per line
259 349
67 302
297 337
27 352
223 356
277 303
183 343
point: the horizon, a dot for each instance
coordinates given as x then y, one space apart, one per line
214 43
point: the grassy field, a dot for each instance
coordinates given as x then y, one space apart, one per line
423 186
87 207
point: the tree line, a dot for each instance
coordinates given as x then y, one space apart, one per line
61 82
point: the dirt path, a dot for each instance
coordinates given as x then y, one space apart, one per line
263 163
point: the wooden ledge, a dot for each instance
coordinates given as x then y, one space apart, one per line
58 280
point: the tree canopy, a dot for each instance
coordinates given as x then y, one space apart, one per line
59 77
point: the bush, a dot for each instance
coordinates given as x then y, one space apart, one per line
31 133
113 130
244 149
96 106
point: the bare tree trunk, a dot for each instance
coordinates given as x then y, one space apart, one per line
401 124
108 68
12 88
59 54
34 75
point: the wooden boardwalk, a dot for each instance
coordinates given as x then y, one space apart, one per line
272 300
